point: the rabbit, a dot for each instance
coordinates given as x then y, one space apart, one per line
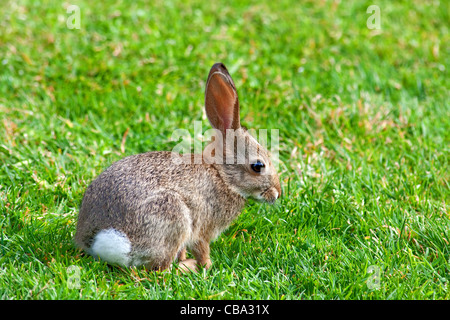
146 209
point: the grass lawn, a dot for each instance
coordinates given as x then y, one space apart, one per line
364 126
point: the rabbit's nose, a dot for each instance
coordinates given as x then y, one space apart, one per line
279 193
275 194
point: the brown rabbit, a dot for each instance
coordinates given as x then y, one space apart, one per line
146 209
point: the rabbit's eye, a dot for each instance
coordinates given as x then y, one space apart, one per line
257 166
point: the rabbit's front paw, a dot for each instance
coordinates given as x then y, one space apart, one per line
188 265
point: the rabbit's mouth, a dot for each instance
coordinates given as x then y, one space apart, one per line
269 195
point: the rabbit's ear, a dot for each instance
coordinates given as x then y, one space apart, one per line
221 100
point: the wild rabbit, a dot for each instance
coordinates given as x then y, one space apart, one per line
146 209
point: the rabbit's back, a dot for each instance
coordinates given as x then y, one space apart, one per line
120 192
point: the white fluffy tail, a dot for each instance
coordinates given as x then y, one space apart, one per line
112 246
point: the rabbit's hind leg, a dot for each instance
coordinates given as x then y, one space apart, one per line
165 229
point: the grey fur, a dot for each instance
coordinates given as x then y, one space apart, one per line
163 208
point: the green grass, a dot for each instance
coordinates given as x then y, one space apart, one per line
364 135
